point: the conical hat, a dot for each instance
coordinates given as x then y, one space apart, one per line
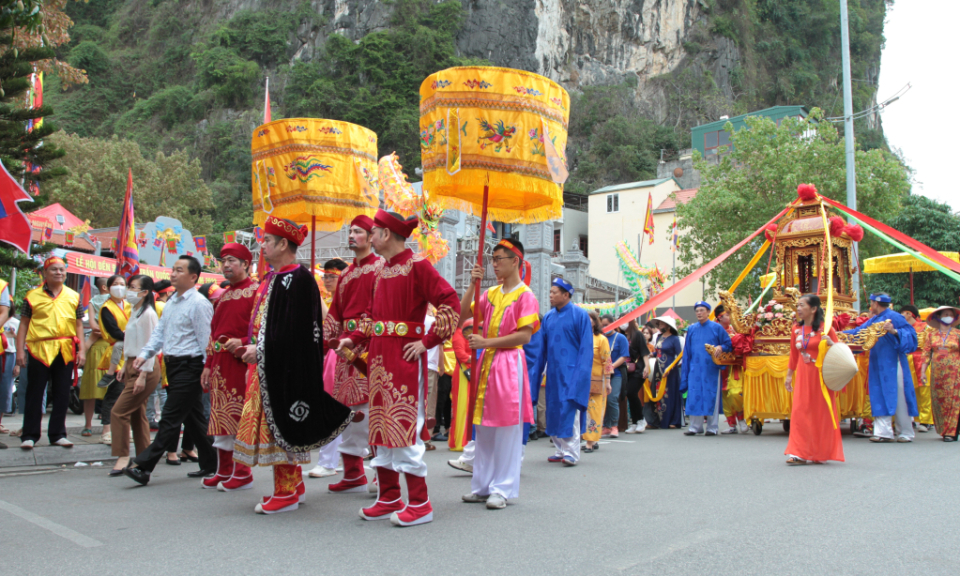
839 366
669 322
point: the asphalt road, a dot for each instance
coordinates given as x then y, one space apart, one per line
659 503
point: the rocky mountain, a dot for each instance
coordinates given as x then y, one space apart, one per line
189 74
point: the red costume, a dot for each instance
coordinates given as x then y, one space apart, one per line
228 375
350 303
401 291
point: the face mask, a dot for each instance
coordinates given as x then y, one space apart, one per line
946 320
133 297
118 291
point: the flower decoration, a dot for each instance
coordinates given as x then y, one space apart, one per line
807 192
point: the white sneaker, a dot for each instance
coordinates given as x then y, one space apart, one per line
63 443
27 444
496 502
631 429
322 472
641 427
461 465
742 426
922 428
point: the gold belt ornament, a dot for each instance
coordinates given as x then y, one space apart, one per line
401 329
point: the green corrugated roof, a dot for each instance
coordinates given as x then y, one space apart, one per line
631 186
775 111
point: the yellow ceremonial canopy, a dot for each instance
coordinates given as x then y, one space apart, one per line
498 128
902 262
306 168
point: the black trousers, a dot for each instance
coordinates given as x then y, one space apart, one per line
109 399
633 391
444 387
60 376
184 407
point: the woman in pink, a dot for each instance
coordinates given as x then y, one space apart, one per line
814 433
509 313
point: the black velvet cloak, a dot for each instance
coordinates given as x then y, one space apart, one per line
290 352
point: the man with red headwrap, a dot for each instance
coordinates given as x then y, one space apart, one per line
287 413
397 366
351 298
224 374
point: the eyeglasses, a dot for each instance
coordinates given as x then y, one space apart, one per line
499 258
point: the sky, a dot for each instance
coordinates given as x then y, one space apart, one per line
920 49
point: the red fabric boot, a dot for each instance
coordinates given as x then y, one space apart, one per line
354 477
224 470
388 500
418 511
242 479
732 421
285 497
301 489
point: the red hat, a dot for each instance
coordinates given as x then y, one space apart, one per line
402 227
238 251
285 229
363 221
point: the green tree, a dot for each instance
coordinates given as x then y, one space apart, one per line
759 177
376 81
609 140
932 223
167 185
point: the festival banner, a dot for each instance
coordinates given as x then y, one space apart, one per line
648 219
201 243
68 238
230 237
172 245
128 263
89 265
258 233
158 243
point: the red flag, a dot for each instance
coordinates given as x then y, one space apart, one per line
85 290
14 225
68 238
266 103
648 219
490 228
128 256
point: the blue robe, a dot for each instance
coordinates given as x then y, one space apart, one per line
668 348
700 377
884 356
568 339
533 350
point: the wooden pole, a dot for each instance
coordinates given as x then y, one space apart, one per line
313 243
911 286
474 365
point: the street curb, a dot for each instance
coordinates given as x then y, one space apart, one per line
50 455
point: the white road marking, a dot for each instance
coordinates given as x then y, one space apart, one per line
59 530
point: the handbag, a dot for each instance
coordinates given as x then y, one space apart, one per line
631 367
107 380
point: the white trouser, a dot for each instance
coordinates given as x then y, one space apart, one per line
713 421
569 446
496 468
408 459
883 425
224 442
329 455
469 451
356 437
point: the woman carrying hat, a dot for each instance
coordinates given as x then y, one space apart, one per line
667 350
942 348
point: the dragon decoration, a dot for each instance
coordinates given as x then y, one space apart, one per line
635 274
399 196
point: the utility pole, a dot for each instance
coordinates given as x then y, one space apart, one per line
848 134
